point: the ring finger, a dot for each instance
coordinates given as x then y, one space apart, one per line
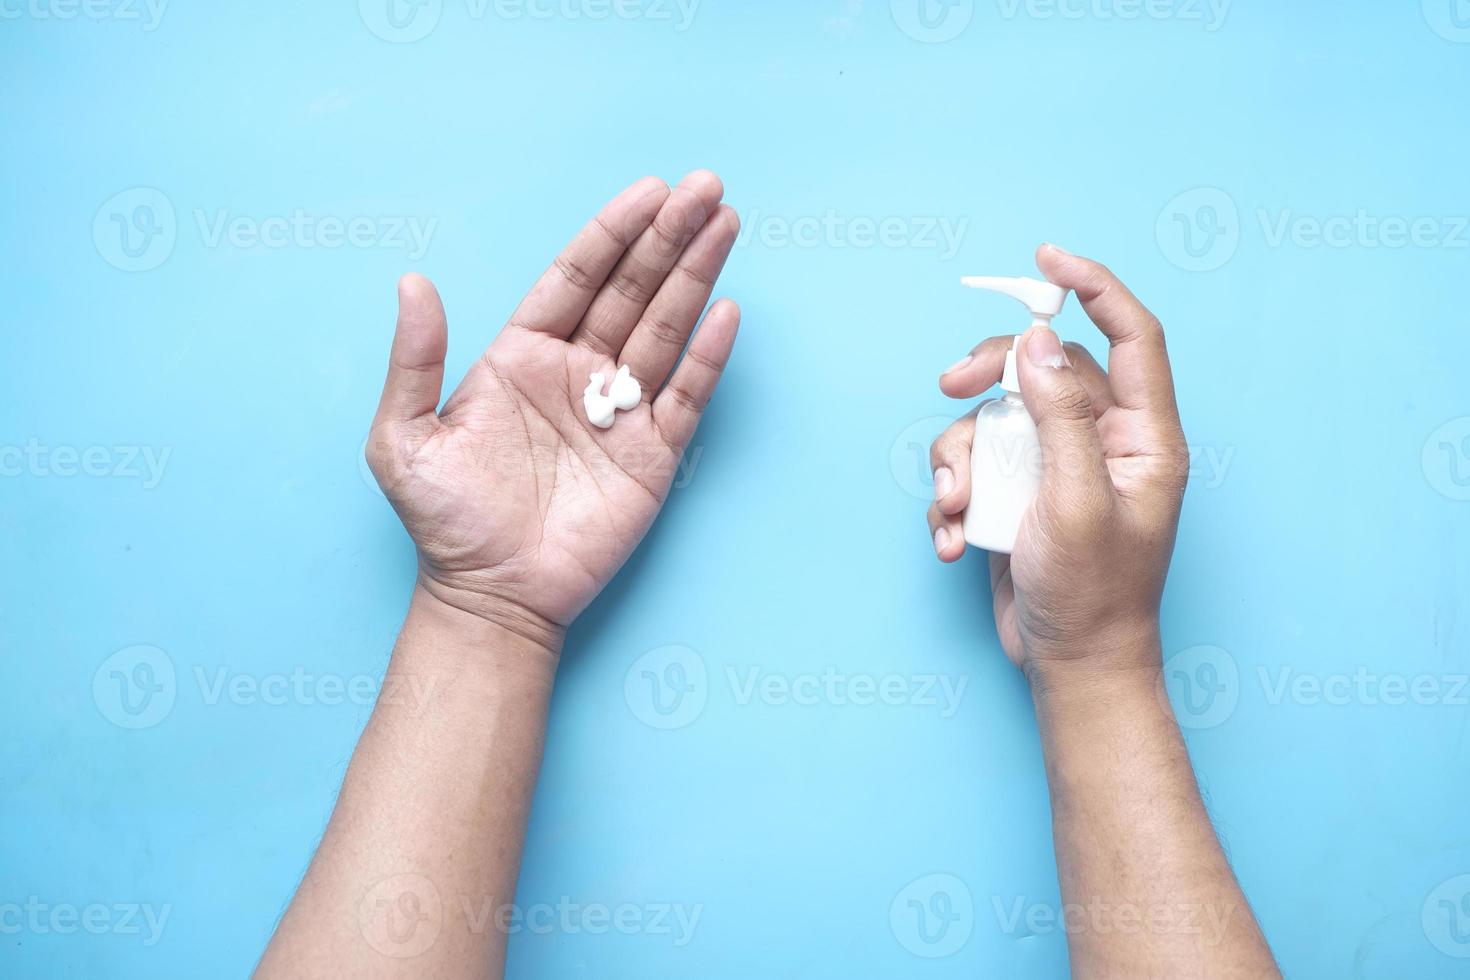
638 275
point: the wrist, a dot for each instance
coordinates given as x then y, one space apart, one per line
1118 661
486 622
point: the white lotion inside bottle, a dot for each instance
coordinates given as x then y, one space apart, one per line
1005 470
1005 459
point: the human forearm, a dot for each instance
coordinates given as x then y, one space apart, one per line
522 508
1146 885
424 845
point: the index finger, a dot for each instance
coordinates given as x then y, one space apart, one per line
1138 362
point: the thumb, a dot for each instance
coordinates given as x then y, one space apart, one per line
416 362
1071 451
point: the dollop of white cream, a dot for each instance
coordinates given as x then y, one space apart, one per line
625 390
599 407
624 394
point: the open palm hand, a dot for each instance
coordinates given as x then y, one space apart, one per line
521 509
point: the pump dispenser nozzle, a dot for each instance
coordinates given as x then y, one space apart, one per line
1043 299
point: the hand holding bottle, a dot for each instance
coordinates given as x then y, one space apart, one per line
1086 576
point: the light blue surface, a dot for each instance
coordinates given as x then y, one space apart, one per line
1325 534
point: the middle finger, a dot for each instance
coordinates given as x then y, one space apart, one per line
642 270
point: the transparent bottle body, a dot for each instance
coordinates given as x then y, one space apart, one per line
1005 474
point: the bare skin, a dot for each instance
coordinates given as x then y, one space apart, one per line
521 512
1146 886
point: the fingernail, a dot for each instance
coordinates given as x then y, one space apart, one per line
962 362
1044 349
1057 248
943 482
941 540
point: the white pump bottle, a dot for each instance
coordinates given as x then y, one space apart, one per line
1005 461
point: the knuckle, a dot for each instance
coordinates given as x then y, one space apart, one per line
684 398
952 444
1098 276
382 456
574 273
937 454
672 228
377 449
697 276
664 331
998 345
615 235
1102 273
630 287
1076 353
704 361
594 341
1071 402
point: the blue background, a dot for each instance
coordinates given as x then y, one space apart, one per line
1328 538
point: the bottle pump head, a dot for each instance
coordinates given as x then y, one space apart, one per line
1043 299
